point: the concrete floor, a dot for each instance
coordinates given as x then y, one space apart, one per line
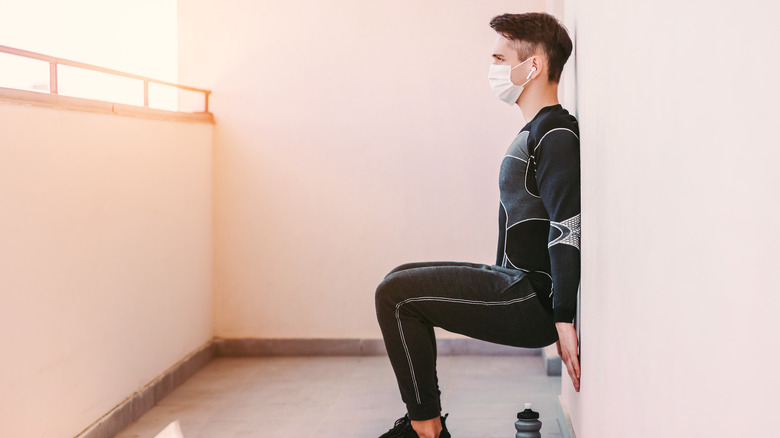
349 396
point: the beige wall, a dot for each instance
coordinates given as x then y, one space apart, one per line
105 267
351 137
677 104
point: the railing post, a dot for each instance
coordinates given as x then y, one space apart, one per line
206 109
146 94
53 77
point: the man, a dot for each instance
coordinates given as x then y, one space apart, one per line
528 298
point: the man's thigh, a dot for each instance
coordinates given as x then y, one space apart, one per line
487 302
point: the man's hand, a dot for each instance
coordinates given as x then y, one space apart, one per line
567 349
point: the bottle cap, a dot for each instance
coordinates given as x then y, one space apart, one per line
528 414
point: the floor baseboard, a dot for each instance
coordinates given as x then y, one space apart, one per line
137 404
356 347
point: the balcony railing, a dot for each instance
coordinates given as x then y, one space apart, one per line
53 97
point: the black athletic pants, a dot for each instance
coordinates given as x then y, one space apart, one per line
486 302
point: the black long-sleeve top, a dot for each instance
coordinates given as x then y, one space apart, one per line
539 215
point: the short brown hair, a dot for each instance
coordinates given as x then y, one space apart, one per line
533 32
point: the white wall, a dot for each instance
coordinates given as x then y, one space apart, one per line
351 137
677 104
105 261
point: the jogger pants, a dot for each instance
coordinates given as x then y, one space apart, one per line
486 302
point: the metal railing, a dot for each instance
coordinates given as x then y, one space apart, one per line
54 62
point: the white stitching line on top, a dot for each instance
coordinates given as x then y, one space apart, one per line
551 283
506 220
516 158
408 357
555 129
448 300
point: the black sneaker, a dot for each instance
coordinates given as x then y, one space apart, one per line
403 429
444 432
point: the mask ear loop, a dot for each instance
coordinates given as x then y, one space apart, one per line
518 65
528 78
533 69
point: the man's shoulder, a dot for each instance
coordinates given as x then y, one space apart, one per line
558 118
554 126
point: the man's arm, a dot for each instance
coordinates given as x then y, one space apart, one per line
558 176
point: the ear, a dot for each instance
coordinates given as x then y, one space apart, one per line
536 67
530 73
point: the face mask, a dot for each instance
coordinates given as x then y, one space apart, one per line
500 79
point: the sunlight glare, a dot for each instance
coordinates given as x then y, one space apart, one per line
138 37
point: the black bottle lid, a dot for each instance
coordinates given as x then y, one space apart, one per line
528 414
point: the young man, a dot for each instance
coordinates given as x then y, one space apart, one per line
528 298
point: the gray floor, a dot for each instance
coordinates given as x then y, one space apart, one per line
349 397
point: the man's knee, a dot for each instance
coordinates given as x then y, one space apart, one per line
386 295
387 291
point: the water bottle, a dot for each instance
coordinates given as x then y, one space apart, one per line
528 424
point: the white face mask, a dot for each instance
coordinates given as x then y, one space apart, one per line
500 79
